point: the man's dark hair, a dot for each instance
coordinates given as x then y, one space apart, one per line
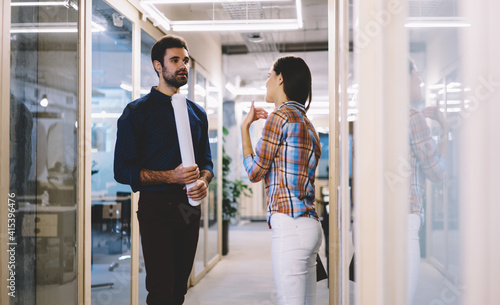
297 81
164 43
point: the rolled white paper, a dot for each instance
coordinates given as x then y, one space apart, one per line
179 104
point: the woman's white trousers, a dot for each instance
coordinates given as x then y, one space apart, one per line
295 244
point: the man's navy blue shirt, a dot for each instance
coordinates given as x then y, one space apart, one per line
147 138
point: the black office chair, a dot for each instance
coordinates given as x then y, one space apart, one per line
125 228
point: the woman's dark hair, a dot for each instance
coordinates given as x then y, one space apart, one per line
297 82
164 43
412 65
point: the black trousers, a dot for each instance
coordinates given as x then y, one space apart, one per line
169 228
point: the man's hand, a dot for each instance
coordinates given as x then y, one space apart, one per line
185 175
199 191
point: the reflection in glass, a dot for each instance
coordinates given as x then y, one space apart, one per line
200 94
111 202
212 231
43 153
434 183
148 79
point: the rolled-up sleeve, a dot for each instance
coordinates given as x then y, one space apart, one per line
425 149
126 167
267 147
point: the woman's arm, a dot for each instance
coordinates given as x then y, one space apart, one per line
253 115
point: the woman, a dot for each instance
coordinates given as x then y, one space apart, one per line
428 161
286 157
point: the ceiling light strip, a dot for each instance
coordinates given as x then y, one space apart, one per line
436 22
204 1
53 27
437 25
48 3
157 17
235 25
298 5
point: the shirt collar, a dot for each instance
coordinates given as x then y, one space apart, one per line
297 105
159 95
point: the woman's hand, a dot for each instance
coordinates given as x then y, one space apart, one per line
433 113
253 115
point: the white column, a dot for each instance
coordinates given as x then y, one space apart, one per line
380 142
480 151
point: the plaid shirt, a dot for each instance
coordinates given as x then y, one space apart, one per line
425 161
286 157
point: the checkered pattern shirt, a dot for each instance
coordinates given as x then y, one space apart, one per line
286 158
425 161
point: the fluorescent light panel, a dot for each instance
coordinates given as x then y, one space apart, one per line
441 22
205 1
298 6
52 27
66 3
48 3
235 25
157 17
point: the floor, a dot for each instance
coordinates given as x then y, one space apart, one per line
244 276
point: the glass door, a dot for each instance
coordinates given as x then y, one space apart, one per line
200 96
111 202
43 151
148 80
412 99
437 97
212 211
207 95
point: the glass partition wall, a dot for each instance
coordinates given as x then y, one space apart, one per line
207 95
421 129
148 80
43 153
111 205
111 201
50 101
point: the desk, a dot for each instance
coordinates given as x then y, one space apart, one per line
111 205
111 222
53 231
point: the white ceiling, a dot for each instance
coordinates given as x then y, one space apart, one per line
247 62
249 55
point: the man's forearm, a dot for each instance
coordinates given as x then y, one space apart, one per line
151 177
206 176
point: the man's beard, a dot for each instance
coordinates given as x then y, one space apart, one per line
172 80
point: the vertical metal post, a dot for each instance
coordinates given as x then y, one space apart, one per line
345 203
84 202
333 85
5 17
134 223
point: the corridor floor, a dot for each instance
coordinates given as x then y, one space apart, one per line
244 276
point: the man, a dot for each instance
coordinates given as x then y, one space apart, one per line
147 157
